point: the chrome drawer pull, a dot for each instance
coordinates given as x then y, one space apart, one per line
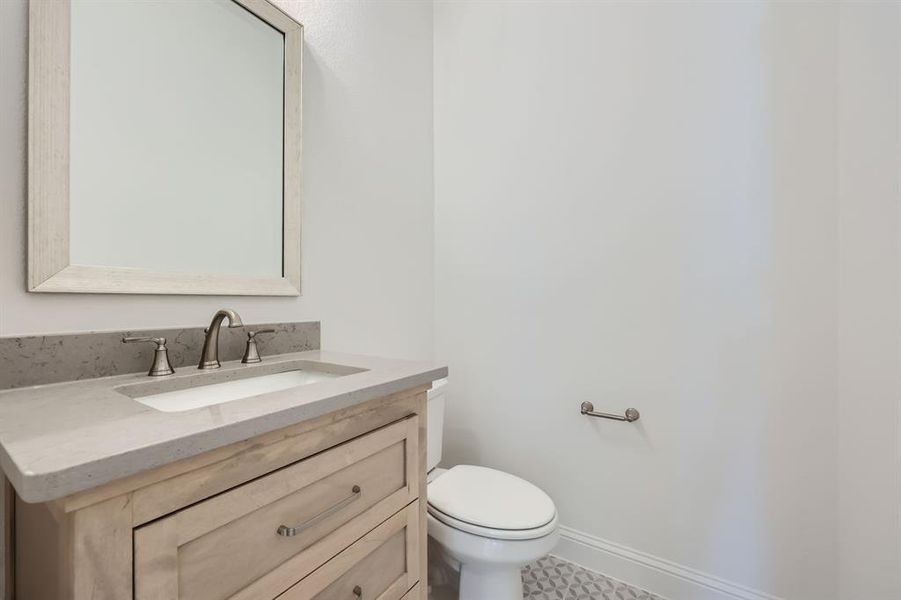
358 591
286 531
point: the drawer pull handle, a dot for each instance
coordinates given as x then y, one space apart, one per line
358 591
286 531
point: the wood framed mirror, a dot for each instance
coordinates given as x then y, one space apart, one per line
164 143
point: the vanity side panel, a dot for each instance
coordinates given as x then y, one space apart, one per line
423 524
84 555
7 549
40 556
101 550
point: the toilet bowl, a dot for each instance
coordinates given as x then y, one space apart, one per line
487 523
491 524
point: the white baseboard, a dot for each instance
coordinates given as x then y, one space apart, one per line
662 577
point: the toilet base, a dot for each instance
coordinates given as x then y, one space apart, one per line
502 583
490 569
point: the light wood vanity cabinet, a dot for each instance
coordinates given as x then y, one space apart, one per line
328 509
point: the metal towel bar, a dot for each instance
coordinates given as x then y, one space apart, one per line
631 413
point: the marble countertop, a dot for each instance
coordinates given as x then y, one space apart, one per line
63 438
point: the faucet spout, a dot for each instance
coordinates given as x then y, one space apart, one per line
209 357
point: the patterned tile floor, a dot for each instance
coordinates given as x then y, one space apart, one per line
551 578
547 579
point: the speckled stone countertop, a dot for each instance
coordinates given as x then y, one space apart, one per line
63 438
41 359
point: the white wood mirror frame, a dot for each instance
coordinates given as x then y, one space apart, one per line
49 265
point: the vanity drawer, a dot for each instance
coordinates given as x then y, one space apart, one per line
258 539
383 565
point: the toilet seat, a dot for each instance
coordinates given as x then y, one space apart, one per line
492 533
491 504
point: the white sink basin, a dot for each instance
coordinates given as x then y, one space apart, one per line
217 393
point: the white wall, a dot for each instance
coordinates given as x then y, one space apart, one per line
367 240
639 204
869 407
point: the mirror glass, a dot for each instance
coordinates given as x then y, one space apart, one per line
176 137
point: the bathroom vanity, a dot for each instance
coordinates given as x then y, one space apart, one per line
164 158
125 488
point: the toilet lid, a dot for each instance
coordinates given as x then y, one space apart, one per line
490 498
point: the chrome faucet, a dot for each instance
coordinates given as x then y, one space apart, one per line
209 358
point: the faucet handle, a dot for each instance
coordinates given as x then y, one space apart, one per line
161 365
252 334
251 352
157 341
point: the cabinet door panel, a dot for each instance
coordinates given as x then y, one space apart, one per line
258 539
383 565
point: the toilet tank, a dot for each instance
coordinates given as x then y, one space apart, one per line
435 428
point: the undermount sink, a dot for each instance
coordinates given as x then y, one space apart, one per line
190 394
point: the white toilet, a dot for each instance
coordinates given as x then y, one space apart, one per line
490 523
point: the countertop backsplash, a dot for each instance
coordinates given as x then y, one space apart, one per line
43 359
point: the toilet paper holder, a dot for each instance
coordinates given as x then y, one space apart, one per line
630 416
